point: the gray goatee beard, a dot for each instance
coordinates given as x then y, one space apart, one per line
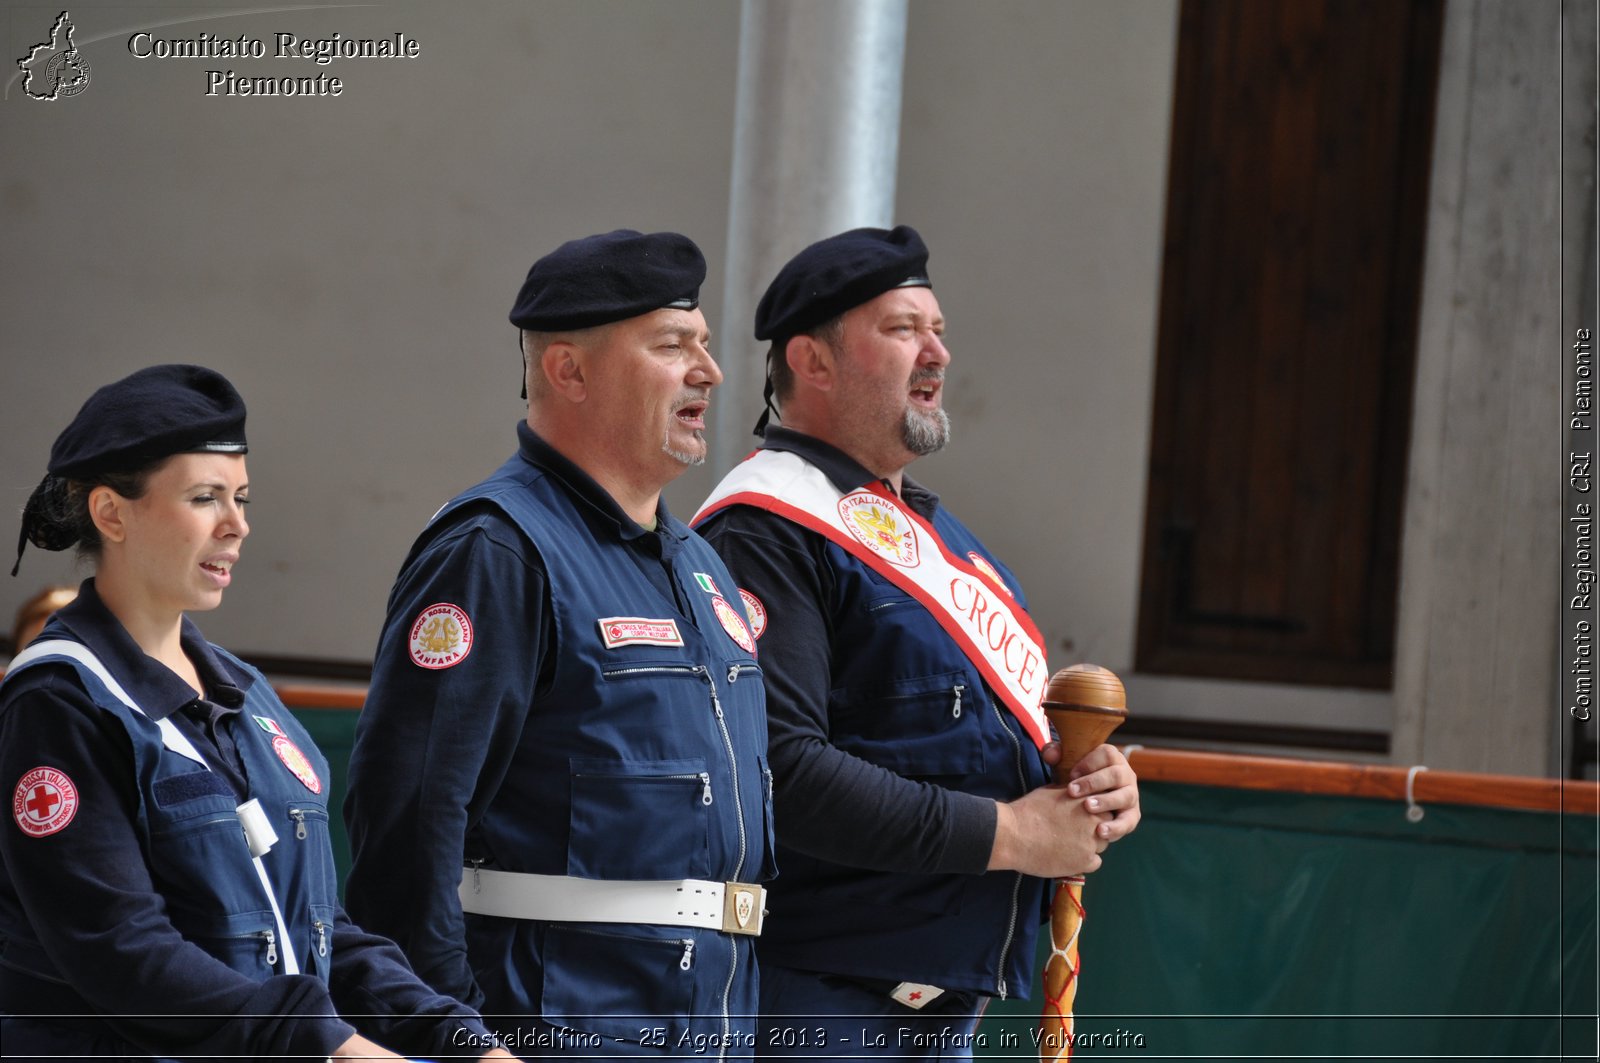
684 456
925 433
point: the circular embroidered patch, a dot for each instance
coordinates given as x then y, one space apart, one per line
296 762
441 636
733 623
756 611
44 802
878 524
981 563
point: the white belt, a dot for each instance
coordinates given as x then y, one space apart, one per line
732 907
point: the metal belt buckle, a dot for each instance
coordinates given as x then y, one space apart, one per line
743 908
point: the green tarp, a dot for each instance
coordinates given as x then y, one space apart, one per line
1238 924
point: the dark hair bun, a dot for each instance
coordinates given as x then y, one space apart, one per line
48 518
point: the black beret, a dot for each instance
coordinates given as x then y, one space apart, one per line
838 274
156 412
610 277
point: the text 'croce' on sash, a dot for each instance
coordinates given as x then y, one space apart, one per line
966 597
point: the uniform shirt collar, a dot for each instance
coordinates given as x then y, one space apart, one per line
538 452
156 689
847 473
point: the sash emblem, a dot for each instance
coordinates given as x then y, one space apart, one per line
878 524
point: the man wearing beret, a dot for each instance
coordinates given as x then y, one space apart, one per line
559 801
917 834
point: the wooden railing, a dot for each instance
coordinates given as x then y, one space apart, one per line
317 696
1250 772
1365 780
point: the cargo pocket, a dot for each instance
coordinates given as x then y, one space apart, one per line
924 725
230 919
618 985
306 850
640 819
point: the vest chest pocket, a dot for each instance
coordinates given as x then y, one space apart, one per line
640 819
924 725
303 856
200 861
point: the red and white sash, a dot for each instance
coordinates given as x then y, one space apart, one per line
965 596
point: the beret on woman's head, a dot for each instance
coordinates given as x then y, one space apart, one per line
132 424
150 415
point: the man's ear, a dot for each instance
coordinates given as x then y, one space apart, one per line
565 365
811 361
106 509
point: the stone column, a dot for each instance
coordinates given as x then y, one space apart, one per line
1476 653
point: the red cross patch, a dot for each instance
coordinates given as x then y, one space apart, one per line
44 802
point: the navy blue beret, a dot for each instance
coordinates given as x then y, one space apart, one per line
609 277
142 418
838 274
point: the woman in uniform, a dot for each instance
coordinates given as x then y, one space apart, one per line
168 886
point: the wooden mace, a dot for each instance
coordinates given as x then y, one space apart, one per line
1085 703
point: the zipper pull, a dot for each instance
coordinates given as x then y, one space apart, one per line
322 937
956 711
687 960
299 815
711 684
705 788
272 947
767 772
733 673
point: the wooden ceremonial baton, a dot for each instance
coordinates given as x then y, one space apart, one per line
1085 703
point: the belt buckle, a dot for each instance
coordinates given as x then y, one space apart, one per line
743 908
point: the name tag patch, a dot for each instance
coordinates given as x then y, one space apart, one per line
639 631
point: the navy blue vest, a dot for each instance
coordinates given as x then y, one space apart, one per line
905 697
199 859
644 761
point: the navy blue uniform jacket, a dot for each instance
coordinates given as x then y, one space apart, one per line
557 691
142 913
